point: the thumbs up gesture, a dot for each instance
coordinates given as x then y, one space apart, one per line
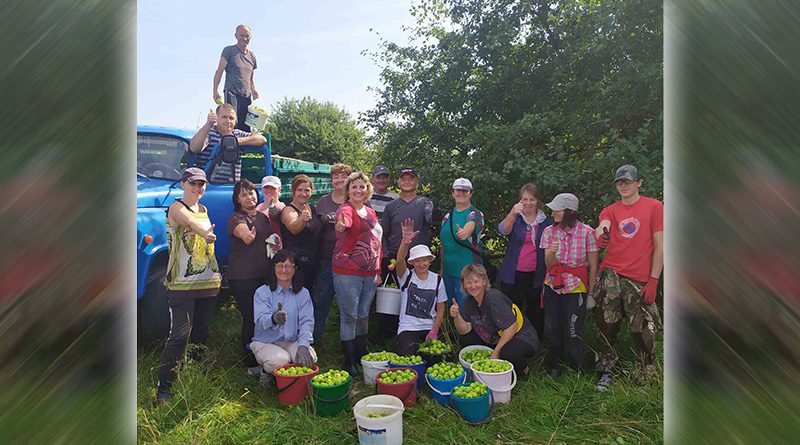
461 233
306 214
211 119
454 309
209 235
250 236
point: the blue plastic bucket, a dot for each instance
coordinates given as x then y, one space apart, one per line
441 389
420 368
474 411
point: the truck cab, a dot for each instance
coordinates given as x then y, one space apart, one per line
162 154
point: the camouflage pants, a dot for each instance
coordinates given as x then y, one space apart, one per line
618 297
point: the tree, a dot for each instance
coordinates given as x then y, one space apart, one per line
510 91
316 131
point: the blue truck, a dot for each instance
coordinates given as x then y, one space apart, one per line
162 154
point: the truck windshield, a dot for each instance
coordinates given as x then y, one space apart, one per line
159 156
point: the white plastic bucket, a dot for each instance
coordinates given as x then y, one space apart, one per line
371 370
468 366
387 299
379 430
500 383
256 118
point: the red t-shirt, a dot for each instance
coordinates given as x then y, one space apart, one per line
630 251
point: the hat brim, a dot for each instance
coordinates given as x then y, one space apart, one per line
196 178
432 257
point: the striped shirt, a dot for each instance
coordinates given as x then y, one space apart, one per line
573 248
239 70
222 172
378 201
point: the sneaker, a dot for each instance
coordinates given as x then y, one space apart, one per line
163 398
605 381
266 379
253 370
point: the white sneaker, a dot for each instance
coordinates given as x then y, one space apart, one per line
254 370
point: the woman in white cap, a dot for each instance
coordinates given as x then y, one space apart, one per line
271 206
422 294
569 247
460 232
192 279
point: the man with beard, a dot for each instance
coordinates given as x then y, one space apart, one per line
569 246
633 231
208 136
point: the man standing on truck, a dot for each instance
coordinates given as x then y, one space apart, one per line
238 62
207 137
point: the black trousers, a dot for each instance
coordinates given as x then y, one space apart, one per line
516 351
527 298
240 103
190 320
243 291
408 342
563 325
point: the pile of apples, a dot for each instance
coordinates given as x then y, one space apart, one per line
473 355
331 378
471 391
406 360
381 356
294 370
445 371
491 366
397 376
434 347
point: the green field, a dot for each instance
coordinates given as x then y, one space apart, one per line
214 402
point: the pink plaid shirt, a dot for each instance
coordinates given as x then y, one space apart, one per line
572 251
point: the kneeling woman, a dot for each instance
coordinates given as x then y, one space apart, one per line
488 319
284 318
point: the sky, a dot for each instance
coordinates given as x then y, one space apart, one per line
303 48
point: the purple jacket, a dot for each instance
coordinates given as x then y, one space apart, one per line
515 239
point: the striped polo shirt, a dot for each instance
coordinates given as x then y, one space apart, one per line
222 172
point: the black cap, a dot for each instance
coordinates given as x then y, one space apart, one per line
380 170
626 172
408 170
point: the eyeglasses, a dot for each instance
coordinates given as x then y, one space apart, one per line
284 266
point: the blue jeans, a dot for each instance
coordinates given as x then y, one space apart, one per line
355 294
452 285
322 298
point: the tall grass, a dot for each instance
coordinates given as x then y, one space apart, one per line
214 402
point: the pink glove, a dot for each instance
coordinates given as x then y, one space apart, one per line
649 290
433 334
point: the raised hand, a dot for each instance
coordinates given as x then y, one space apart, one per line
554 243
603 240
340 224
407 228
211 119
250 236
517 209
306 213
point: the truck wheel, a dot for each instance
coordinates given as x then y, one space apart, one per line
152 313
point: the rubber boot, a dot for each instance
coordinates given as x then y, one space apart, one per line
349 351
361 347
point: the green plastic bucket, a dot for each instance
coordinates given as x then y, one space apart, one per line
330 401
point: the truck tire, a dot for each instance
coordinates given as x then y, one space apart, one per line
152 315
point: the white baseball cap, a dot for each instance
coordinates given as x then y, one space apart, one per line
272 181
419 251
462 184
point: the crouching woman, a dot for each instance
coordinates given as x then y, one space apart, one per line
284 319
489 319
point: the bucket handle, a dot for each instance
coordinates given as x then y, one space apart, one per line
502 388
387 280
317 397
445 394
287 387
480 422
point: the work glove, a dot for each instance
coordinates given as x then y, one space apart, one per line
303 356
649 290
602 241
433 334
279 317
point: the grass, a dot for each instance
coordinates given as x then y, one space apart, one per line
214 402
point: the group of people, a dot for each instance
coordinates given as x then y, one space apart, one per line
287 261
